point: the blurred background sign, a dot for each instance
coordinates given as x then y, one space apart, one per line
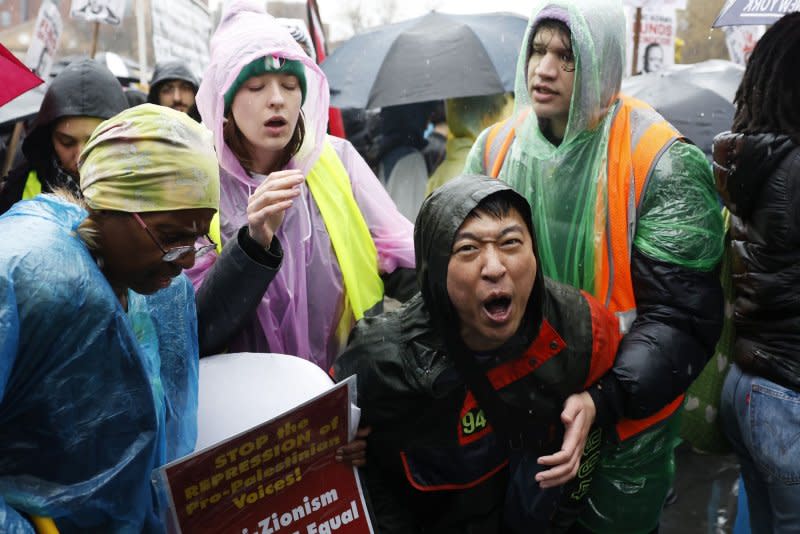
657 4
741 40
104 11
45 38
181 31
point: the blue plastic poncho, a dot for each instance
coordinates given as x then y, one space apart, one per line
91 398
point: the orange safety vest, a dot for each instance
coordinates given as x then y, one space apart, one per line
638 138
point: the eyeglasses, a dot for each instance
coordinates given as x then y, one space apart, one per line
176 253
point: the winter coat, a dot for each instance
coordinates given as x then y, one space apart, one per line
758 177
435 462
84 88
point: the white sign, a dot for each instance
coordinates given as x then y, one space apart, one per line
656 39
181 31
44 43
105 11
650 4
741 40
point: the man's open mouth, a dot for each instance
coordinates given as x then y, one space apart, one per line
498 308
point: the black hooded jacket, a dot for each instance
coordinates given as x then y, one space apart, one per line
173 70
85 88
758 177
429 469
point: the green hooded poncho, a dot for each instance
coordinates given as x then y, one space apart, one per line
562 182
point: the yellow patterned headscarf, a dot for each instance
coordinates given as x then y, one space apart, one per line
150 158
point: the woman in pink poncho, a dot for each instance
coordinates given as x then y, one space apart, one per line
310 236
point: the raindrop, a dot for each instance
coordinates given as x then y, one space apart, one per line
427 61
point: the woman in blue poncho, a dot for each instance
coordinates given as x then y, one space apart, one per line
98 332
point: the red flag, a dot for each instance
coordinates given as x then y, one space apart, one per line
15 77
335 122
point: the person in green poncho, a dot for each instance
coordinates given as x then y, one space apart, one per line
625 209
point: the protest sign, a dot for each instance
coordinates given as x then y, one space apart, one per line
754 12
181 31
105 11
44 42
280 476
649 4
741 40
656 39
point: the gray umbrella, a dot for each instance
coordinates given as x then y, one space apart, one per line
697 99
23 107
432 57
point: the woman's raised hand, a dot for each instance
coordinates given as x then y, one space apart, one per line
267 205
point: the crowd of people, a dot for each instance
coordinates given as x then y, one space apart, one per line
552 259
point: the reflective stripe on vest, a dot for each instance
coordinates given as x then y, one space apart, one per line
33 186
637 139
498 142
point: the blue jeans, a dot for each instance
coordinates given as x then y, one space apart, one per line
762 421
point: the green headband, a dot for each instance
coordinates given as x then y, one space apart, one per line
268 65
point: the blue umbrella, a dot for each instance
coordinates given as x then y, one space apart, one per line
754 12
432 57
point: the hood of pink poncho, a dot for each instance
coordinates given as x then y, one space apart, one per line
246 33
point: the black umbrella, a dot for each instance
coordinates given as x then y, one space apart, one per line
432 57
23 107
697 99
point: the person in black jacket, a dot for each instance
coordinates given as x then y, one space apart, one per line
757 170
83 95
174 85
469 388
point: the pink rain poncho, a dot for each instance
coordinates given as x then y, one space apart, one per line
302 308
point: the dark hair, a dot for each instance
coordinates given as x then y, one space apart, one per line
235 140
768 99
500 204
549 24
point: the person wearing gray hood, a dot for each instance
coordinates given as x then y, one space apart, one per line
174 85
82 96
471 388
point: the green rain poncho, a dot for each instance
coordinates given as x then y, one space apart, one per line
562 182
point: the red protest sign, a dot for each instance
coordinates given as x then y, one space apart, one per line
280 476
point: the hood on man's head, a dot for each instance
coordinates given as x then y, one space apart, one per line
438 221
170 70
597 30
84 88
